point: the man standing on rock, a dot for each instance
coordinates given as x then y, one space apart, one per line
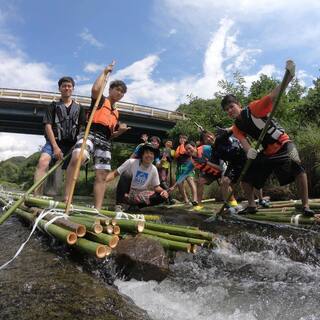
63 120
279 154
105 127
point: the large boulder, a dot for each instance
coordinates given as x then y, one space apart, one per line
142 258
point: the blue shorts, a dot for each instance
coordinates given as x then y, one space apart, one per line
47 148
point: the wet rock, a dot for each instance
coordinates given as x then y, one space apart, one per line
142 258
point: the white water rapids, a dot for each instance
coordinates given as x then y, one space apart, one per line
225 284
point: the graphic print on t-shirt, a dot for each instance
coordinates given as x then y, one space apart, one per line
140 178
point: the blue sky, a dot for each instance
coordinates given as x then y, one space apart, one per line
164 50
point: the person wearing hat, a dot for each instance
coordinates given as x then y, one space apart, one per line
143 178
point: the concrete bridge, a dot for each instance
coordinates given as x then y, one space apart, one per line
21 111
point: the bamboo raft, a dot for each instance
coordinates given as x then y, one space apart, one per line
97 233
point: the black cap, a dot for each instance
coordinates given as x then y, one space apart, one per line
148 146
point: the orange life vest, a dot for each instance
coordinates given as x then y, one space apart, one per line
205 167
107 116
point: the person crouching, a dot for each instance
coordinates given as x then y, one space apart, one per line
145 187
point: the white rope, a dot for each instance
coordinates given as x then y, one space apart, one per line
59 215
129 216
41 216
295 219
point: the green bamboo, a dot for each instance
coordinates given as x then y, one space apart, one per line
135 226
61 234
314 206
179 231
16 205
280 219
110 240
168 236
171 245
90 226
93 248
101 220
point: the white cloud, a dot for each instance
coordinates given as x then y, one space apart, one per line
86 36
172 32
93 67
19 145
222 50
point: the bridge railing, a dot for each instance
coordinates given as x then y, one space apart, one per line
48 97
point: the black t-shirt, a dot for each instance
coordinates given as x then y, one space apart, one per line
49 118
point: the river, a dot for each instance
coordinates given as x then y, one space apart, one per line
256 273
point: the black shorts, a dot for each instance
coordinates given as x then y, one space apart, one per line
285 164
209 177
233 172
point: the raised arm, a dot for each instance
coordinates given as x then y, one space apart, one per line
100 80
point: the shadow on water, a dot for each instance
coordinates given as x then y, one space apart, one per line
48 282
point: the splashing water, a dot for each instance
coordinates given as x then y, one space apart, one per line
228 283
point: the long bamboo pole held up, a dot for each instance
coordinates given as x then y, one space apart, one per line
78 165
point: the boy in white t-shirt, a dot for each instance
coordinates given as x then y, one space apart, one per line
145 187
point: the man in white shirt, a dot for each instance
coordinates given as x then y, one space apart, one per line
145 187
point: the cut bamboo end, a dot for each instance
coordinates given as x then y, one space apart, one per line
194 248
101 251
71 238
116 230
98 228
108 251
140 226
113 242
113 222
81 231
189 246
108 229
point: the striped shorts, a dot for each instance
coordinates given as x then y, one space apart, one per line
99 148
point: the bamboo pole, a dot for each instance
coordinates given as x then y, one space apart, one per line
93 248
135 226
168 236
37 184
79 229
171 245
179 231
110 240
61 234
93 227
86 134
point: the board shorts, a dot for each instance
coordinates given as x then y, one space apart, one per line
98 147
181 168
285 165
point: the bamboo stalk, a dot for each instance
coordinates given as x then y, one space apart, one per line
61 234
94 227
131 225
110 240
168 236
86 134
91 247
179 231
37 184
171 245
79 229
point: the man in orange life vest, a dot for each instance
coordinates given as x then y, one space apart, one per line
279 154
105 126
